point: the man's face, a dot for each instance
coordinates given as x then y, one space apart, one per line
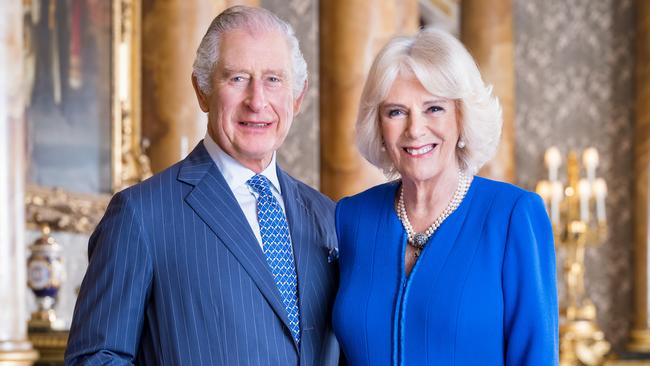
251 106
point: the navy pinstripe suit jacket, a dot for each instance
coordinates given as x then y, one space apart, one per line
176 277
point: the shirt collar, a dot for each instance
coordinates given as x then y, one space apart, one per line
235 174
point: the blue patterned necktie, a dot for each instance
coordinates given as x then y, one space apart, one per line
276 242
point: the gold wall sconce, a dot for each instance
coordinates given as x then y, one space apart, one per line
577 212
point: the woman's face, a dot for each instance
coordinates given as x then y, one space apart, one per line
420 130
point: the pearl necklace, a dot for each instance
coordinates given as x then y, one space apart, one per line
419 240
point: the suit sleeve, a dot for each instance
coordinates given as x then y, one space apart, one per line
529 285
109 313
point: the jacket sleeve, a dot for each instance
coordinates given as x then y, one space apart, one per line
529 285
109 313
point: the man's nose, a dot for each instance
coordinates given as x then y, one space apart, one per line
256 99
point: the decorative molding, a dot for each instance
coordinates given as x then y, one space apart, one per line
63 211
129 164
79 213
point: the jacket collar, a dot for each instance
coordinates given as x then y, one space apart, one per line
215 204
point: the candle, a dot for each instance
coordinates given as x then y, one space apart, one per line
556 197
600 191
584 190
590 161
553 159
543 188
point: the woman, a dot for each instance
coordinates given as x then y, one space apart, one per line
440 267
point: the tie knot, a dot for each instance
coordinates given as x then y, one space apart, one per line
260 184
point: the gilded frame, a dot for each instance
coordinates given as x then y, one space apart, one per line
80 213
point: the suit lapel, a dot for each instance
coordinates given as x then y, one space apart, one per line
215 204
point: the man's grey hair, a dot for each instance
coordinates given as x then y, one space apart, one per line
254 20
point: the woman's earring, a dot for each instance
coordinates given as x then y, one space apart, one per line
383 146
461 144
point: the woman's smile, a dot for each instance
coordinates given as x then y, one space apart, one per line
419 151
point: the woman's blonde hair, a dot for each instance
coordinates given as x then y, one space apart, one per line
445 69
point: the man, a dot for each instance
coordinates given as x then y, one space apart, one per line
222 259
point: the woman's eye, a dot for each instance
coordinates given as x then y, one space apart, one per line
435 108
392 113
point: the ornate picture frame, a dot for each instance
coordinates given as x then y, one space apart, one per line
64 210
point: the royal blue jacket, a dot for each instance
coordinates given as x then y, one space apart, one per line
483 291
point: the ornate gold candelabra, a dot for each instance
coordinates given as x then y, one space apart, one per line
577 211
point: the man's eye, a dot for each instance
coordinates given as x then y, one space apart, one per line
238 79
274 79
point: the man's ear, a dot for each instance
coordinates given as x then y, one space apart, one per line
298 101
200 96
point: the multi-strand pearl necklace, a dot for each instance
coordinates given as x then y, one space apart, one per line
419 240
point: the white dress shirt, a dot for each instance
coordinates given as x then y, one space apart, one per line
236 175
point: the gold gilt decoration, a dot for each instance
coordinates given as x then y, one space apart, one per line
51 345
58 210
63 211
129 164
577 212
67 211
